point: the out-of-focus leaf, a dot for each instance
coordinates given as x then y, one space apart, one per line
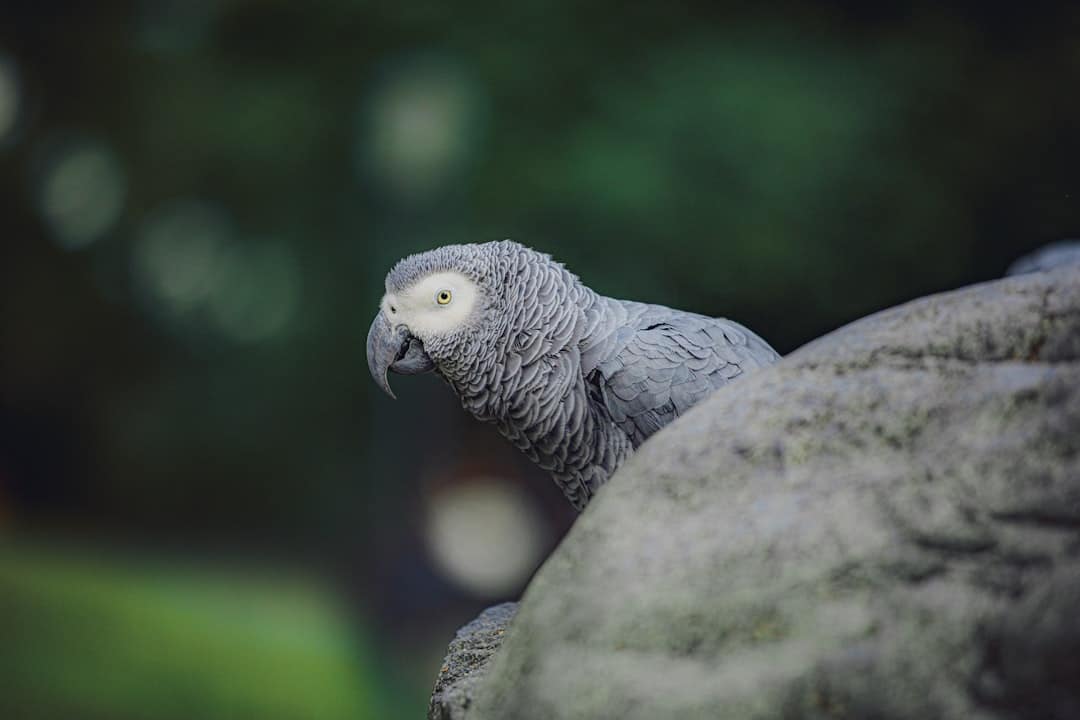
91 639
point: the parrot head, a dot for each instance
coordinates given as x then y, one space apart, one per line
437 312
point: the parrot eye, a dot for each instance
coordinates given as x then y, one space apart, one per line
443 297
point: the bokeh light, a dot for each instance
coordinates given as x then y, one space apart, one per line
419 127
260 295
9 97
180 252
192 267
81 193
175 25
484 534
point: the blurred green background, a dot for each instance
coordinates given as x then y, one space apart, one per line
206 507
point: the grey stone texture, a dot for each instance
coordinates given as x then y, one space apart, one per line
466 658
1047 257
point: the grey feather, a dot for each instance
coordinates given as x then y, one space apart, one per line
677 359
575 379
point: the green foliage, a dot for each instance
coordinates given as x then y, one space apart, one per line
91 639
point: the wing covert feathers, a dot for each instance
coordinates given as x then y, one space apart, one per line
662 362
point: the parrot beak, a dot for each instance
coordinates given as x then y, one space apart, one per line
394 348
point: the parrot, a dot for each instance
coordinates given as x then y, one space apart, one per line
575 379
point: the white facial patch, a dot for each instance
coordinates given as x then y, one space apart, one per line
437 304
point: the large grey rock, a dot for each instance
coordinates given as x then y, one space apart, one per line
466 659
1047 257
886 524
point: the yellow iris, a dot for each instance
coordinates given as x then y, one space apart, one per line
443 297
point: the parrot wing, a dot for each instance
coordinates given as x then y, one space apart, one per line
661 362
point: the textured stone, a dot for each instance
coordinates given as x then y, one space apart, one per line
1047 257
886 524
465 661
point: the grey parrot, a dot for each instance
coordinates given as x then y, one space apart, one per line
575 379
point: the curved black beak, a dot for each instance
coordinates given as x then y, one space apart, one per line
394 348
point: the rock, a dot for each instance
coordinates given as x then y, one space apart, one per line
885 524
466 659
1047 257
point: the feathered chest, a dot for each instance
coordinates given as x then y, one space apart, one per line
523 384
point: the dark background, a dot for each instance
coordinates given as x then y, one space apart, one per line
207 509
